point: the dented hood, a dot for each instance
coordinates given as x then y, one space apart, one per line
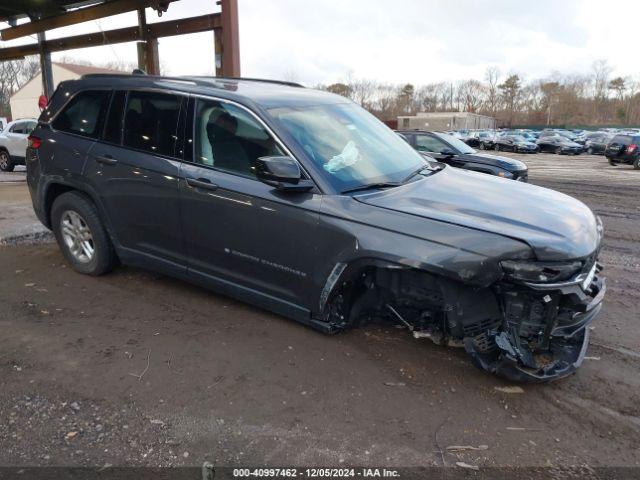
556 226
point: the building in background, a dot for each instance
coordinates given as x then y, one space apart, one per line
24 102
446 121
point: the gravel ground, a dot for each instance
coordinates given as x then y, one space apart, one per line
139 369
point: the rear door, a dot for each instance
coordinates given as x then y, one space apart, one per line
135 169
73 132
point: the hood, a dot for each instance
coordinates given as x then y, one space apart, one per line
507 163
554 225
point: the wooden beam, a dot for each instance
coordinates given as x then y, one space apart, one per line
230 39
77 16
182 26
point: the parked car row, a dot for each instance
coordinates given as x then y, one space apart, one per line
618 145
453 151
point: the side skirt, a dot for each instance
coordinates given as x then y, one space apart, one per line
225 287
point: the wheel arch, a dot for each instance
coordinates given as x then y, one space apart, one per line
57 187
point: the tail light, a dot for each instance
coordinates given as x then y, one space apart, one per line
632 148
34 142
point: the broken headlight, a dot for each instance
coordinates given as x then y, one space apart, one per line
540 272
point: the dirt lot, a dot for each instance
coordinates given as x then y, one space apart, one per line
138 369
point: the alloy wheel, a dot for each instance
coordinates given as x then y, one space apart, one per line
4 160
77 236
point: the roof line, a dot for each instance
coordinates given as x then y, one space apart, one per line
194 77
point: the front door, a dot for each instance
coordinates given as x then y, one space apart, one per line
239 231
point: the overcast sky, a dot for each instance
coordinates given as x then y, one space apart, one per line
418 41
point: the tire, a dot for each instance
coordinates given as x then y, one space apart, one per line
6 165
590 151
73 216
558 151
482 146
636 164
612 163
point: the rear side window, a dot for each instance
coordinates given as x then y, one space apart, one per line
151 122
84 114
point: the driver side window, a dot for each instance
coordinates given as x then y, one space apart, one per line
230 139
427 143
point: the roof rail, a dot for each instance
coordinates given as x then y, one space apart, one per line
250 79
186 78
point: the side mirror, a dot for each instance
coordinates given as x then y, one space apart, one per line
282 173
448 152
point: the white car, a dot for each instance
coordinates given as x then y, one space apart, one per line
13 143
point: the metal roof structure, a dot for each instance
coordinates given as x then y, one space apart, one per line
45 15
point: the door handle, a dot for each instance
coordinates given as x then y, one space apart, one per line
202 183
106 159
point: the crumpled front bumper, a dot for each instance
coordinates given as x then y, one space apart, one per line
561 341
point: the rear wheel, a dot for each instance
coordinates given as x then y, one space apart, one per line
636 164
6 165
612 162
81 235
590 151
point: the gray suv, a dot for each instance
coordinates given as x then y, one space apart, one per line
302 203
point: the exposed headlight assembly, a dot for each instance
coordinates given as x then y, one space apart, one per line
540 272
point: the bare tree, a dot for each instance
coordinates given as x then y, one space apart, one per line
492 77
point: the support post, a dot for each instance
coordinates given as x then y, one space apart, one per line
148 59
230 39
217 42
45 67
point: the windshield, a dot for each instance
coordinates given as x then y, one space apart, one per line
518 138
457 144
348 144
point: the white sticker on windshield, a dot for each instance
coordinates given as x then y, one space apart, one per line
346 158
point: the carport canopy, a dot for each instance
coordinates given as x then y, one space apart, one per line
45 15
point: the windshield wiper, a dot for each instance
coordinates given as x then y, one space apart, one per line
372 186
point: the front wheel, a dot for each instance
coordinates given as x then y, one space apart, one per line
558 150
590 151
6 165
81 235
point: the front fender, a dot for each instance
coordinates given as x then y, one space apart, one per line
357 234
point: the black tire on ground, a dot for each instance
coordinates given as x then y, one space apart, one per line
104 257
6 165
611 162
558 150
482 146
636 164
590 151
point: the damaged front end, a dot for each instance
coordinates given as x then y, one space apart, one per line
543 334
522 330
